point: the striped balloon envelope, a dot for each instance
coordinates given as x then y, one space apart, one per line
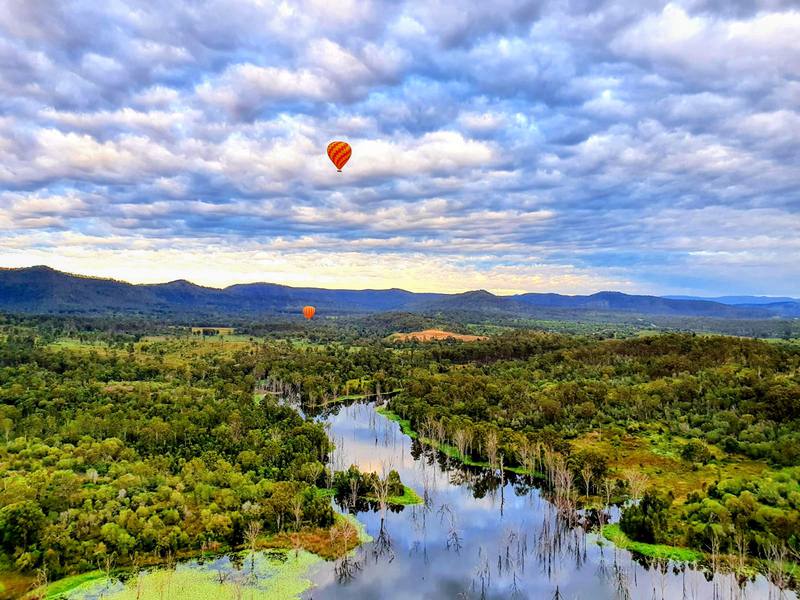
339 153
308 312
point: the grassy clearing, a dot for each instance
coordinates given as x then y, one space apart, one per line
615 535
408 498
76 344
63 587
657 456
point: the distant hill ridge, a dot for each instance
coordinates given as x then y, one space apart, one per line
43 290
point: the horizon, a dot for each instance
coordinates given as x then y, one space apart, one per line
520 147
464 291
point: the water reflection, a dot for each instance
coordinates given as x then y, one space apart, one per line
483 535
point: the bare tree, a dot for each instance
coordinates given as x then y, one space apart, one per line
251 534
381 490
107 563
637 483
529 454
343 535
562 484
462 438
491 447
608 489
139 577
440 433
42 579
740 542
297 510
586 475
92 475
776 555
353 492
429 427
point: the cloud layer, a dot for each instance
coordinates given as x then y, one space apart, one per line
563 146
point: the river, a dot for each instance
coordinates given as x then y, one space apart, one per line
475 538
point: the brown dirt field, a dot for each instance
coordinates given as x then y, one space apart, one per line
435 334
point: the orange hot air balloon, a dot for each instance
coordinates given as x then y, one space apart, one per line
339 153
308 312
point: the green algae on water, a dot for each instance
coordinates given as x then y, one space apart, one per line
275 575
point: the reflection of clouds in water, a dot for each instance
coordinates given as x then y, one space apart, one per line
523 546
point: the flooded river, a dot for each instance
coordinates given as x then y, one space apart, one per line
476 538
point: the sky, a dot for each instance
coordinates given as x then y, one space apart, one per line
568 146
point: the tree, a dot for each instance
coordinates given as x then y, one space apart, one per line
380 488
21 524
637 482
118 538
586 475
696 451
647 520
462 438
251 534
491 447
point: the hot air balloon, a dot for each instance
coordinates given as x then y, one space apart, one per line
308 312
339 153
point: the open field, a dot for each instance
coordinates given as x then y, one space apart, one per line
429 335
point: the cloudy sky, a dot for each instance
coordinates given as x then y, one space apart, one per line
570 146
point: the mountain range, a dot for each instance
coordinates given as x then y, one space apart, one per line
42 290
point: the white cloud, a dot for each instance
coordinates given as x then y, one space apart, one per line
762 48
220 266
553 132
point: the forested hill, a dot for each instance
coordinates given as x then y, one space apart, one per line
42 290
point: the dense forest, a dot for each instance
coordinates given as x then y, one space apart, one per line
111 457
120 447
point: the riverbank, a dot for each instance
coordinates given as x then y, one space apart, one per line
451 451
610 532
616 536
275 575
288 557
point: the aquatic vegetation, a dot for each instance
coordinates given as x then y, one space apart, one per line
260 576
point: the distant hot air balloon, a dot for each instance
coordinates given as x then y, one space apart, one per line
308 312
339 153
